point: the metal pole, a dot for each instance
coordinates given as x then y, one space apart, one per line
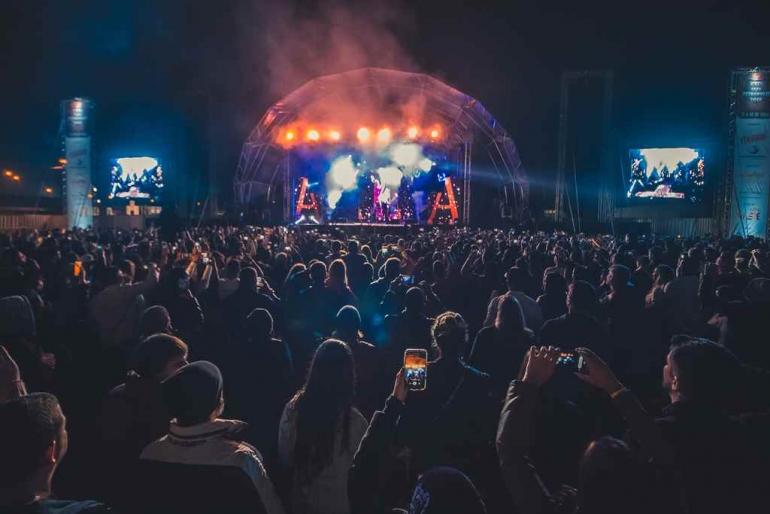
562 149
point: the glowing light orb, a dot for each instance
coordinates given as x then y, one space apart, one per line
290 136
363 134
412 132
390 176
313 135
406 154
434 134
383 136
343 172
425 164
335 135
333 197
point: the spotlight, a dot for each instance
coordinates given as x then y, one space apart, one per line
406 154
344 173
335 135
434 134
383 136
313 135
363 134
49 190
290 136
412 132
16 178
62 161
8 173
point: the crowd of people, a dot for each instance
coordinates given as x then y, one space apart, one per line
256 369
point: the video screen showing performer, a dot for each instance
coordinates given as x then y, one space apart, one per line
674 173
135 177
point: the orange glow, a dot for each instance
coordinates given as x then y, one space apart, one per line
412 132
8 173
290 136
434 134
383 136
363 134
335 135
49 190
62 161
313 135
16 178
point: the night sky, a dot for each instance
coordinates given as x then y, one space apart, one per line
194 76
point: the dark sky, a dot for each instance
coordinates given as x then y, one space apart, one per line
209 64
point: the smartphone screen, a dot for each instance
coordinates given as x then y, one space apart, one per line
572 360
78 269
415 369
407 280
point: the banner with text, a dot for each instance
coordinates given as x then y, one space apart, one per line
751 158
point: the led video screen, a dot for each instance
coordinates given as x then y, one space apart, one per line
135 177
667 174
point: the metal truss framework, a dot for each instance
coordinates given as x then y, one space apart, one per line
264 165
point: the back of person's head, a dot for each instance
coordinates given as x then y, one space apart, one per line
446 491
619 277
703 371
439 270
688 267
516 278
554 284
32 435
233 269
318 272
322 406
725 262
450 334
338 274
415 300
159 356
348 322
248 279
510 317
353 247
582 297
336 246
155 320
610 479
113 276
193 394
259 325
664 274
392 268
642 261
128 268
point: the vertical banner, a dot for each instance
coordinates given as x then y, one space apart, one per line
751 167
79 206
78 121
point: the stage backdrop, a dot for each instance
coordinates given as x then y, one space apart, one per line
751 164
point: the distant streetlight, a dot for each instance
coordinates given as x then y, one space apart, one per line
16 178
49 190
8 173
62 161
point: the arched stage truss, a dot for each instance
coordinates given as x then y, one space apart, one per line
468 129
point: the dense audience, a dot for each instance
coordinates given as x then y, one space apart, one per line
251 369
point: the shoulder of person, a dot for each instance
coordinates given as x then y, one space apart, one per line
54 506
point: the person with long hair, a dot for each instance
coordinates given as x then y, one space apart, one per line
366 358
553 301
337 282
296 281
320 431
499 350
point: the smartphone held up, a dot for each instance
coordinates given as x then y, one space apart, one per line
572 361
416 369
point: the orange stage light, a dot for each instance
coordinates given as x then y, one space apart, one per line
363 134
383 136
335 135
434 134
289 136
62 161
412 132
16 178
313 135
8 173
49 190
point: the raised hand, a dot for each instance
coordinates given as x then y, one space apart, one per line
540 365
599 373
399 386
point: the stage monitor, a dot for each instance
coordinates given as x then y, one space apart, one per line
669 174
135 178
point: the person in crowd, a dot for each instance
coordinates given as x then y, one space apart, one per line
337 282
318 304
500 349
231 282
553 302
116 310
249 296
297 280
155 320
182 306
579 327
33 442
680 298
198 437
516 279
379 287
320 432
365 356
356 270
642 275
661 276
408 329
